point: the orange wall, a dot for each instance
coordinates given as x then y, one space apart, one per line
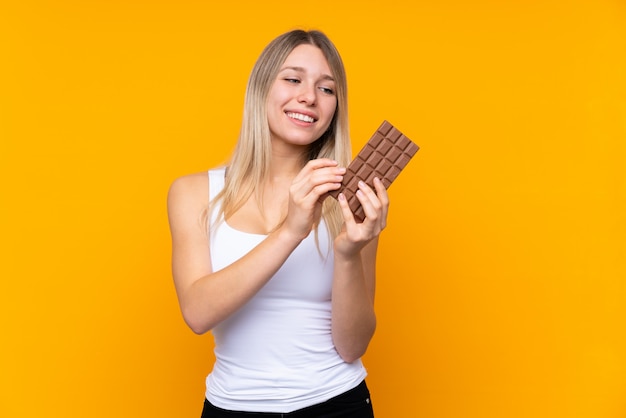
502 289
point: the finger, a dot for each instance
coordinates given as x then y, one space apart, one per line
381 192
318 179
315 165
327 175
348 216
372 206
317 185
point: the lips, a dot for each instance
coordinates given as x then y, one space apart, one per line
301 117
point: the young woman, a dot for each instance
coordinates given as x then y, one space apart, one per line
283 276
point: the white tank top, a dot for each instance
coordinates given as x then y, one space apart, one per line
276 354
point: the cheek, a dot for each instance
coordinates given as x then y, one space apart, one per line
331 103
274 106
330 108
277 96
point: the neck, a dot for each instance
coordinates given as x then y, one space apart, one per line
286 163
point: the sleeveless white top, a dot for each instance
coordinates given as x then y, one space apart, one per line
276 354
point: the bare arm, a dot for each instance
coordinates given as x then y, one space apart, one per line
353 316
206 298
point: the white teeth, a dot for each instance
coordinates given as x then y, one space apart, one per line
301 117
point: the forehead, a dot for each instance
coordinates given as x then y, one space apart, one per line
308 57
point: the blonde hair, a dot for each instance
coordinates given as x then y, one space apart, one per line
250 161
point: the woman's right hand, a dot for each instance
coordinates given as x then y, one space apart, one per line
307 193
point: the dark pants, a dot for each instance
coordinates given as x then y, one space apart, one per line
354 403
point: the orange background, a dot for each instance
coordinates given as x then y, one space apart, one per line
502 289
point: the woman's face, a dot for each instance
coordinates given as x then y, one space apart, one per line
302 100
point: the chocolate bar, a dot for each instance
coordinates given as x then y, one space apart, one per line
384 156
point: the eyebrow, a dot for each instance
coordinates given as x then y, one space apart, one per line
302 70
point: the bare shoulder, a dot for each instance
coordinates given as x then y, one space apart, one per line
187 195
190 184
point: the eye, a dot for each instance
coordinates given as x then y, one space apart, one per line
327 90
292 80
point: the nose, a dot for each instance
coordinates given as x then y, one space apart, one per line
307 95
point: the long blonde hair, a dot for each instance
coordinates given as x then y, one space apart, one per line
250 161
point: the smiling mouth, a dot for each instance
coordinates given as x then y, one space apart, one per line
301 117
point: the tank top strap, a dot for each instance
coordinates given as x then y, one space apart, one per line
216 181
216 184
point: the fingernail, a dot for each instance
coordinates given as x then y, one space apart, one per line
342 197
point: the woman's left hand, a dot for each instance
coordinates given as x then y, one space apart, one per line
354 236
